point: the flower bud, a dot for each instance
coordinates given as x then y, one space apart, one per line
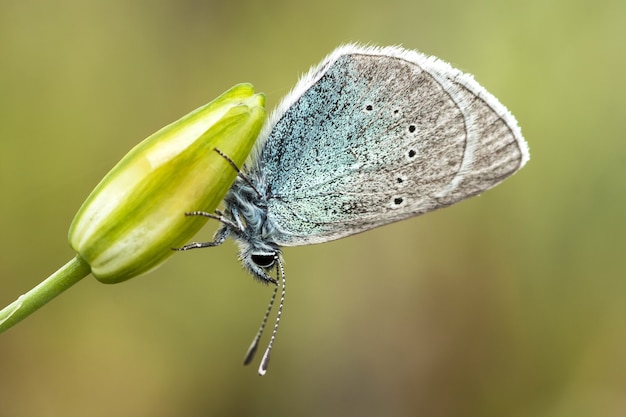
131 221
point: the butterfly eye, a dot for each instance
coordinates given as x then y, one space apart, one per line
263 260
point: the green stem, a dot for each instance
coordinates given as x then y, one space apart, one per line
68 275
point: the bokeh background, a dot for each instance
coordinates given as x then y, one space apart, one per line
509 304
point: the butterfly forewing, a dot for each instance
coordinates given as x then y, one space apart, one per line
378 136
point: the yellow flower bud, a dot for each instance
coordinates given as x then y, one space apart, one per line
136 215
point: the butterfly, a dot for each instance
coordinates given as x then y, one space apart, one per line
370 136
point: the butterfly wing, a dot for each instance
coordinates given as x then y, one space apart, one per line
377 135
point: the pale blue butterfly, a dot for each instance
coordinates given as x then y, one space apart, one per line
370 136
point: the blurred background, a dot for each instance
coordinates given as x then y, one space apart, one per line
509 304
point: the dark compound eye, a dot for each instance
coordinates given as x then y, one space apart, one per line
264 261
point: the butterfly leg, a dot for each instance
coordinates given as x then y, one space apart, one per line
220 235
240 174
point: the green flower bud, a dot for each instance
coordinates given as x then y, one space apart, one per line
136 215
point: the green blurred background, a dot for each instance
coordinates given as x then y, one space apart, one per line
510 304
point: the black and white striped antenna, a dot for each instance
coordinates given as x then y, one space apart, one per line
280 270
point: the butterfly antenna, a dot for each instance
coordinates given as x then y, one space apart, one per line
266 356
255 343
239 173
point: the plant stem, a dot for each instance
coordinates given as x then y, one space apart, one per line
68 275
